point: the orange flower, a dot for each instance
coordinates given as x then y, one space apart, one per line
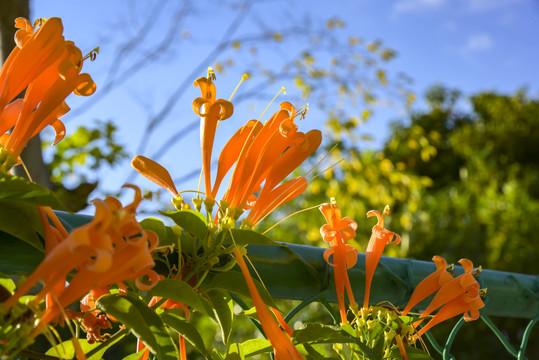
430 284
50 67
211 111
110 249
283 347
263 154
379 238
337 231
456 296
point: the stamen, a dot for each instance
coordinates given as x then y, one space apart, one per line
477 271
324 158
244 77
289 216
211 74
283 90
199 183
302 111
39 22
26 171
482 293
323 171
386 211
92 55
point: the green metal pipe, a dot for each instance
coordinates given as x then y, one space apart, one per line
300 272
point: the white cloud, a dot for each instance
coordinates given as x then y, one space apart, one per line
416 6
478 43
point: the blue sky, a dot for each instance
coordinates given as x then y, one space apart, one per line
471 45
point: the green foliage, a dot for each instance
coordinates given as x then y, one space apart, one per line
87 147
142 321
18 200
76 158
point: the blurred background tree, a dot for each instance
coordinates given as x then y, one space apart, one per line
460 182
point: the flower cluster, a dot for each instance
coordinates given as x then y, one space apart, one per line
263 155
111 249
48 67
454 296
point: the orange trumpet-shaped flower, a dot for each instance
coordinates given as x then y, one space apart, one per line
379 238
283 347
110 249
430 284
467 303
456 296
337 231
35 51
49 66
211 111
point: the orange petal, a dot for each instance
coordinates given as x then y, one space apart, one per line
154 172
430 284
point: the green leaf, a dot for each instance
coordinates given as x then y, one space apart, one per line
314 333
173 319
235 352
22 221
66 350
412 353
165 233
8 284
190 220
320 334
143 322
13 188
134 356
256 347
17 256
244 237
223 309
215 355
181 292
316 351
233 281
